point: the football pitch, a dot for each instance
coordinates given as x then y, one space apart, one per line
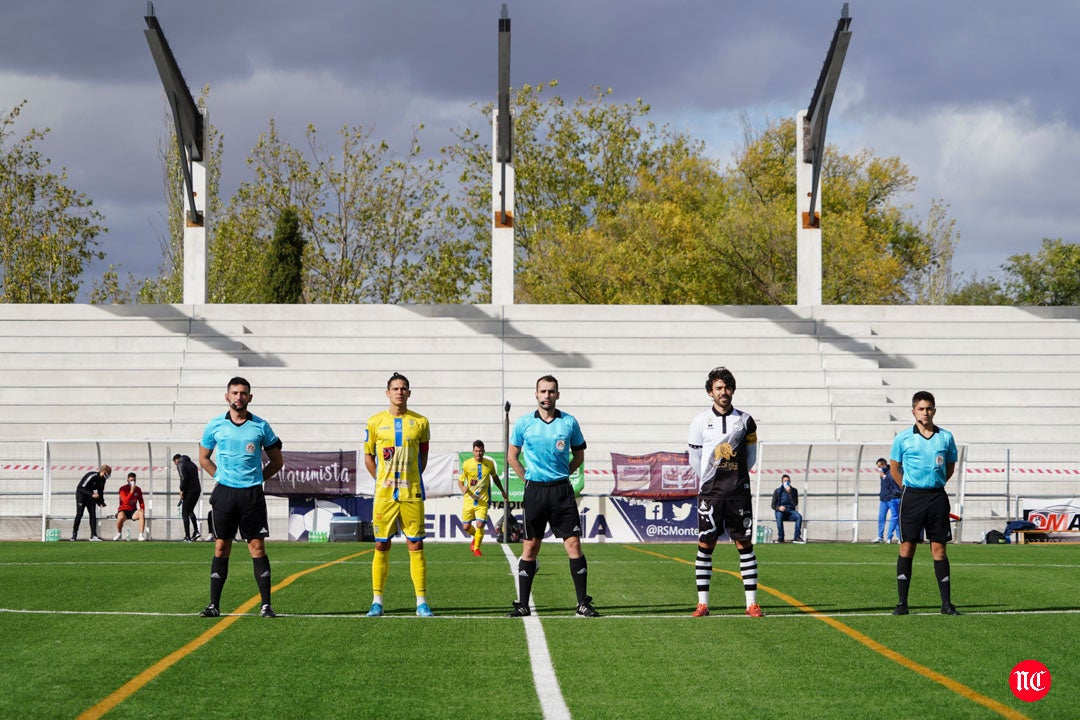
110 630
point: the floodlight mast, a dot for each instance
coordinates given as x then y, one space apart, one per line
502 177
810 151
191 126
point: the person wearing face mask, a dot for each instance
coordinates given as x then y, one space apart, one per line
132 507
785 500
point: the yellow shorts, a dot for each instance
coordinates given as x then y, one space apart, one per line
388 515
473 511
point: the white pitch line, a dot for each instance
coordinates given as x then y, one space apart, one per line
552 704
682 617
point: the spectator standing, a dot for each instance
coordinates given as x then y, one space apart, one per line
889 507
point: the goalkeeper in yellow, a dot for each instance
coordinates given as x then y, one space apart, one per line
396 453
477 474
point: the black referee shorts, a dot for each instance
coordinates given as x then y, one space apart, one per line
924 510
242 509
552 504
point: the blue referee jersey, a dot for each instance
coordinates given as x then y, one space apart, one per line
924 459
546 446
239 449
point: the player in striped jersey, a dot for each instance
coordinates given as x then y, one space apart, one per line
723 448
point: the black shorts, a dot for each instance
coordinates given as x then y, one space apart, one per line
126 514
551 504
924 510
717 513
242 509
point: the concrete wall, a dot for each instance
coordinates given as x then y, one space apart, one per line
633 375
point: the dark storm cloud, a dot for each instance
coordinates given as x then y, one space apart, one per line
921 80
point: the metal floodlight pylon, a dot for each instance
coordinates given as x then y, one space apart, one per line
817 114
810 150
187 119
502 177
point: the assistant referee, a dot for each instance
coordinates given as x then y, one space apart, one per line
922 460
238 440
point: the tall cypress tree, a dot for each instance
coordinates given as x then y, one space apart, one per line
284 263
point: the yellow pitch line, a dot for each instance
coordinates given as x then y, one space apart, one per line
957 687
136 683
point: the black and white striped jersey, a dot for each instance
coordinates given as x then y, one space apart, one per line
723 448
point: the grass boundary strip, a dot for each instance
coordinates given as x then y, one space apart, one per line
136 683
902 660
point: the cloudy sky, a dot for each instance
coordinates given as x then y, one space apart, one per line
978 97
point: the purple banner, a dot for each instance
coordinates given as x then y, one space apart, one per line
312 474
657 476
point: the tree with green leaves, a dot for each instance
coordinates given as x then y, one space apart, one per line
376 225
284 283
1050 277
587 173
613 209
48 230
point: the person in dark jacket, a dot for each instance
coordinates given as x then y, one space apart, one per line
190 490
785 500
89 495
890 504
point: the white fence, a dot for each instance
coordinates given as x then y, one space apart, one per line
837 482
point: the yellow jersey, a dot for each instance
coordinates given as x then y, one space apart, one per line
476 477
395 442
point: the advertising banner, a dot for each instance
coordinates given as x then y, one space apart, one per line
315 474
1053 516
658 475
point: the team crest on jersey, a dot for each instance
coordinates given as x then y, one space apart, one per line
249 448
560 445
388 454
724 451
939 460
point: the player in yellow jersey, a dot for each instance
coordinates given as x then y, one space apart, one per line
396 453
477 474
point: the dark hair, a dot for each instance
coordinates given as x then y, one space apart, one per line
922 395
478 444
239 381
176 457
720 373
785 475
550 379
881 460
131 475
397 376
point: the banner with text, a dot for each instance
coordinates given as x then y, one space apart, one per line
1053 516
657 476
315 474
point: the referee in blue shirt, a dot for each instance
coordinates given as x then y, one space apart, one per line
237 441
554 448
922 460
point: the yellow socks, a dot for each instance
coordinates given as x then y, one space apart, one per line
418 570
380 568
